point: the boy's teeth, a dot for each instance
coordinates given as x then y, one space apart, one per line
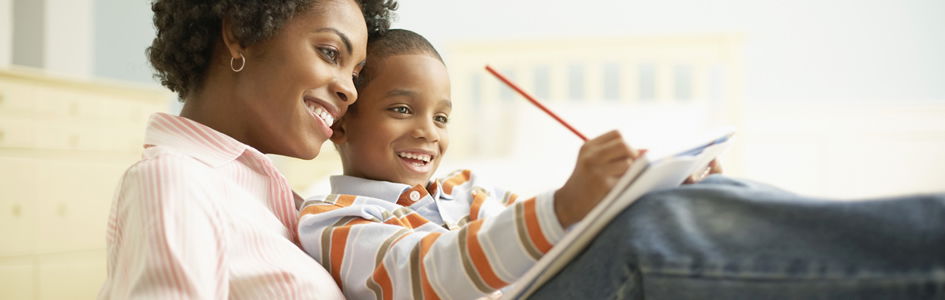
421 157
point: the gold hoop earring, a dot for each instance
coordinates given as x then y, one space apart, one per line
242 63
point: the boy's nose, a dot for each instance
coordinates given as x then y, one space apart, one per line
426 130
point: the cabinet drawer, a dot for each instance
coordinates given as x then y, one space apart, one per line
16 133
16 98
71 134
54 103
131 108
72 207
77 275
17 206
17 278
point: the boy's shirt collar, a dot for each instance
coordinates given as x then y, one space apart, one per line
399 193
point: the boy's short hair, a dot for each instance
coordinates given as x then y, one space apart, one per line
390 43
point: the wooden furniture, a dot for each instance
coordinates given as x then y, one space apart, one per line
64 143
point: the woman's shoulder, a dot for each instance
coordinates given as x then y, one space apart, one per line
167 170
169 180
162 160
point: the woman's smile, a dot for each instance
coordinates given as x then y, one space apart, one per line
321 113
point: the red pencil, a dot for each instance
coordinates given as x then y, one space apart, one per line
535 102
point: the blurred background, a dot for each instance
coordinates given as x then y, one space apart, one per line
842 99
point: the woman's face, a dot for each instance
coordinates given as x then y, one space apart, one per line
295 84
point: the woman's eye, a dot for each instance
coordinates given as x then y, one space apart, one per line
329 54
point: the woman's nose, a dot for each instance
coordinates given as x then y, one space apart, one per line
345 90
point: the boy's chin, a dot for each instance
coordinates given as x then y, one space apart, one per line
417 180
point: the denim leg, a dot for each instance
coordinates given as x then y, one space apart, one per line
730 239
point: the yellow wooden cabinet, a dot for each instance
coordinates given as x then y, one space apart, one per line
64 143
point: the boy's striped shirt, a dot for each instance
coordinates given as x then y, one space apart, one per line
453 239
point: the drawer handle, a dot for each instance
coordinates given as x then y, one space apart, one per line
74 109
62 210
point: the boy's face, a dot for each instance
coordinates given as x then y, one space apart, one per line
398 132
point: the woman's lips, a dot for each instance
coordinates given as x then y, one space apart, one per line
320 114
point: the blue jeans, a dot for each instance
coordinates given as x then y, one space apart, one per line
730 239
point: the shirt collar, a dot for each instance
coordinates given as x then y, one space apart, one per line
194 139
435 188
384 190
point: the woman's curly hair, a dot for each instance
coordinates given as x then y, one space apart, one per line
187 31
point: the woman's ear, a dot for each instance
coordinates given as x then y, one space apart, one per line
232 44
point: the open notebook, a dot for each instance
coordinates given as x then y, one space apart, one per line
645 175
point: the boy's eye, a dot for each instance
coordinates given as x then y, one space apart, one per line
442 119
400 109
329 54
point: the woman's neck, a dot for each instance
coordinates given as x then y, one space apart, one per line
212 110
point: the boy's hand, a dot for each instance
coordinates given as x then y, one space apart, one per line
714 168
601 162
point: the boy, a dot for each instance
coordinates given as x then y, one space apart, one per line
388 232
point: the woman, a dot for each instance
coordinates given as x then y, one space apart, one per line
205 214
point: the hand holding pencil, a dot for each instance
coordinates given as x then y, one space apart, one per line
600 164
714 167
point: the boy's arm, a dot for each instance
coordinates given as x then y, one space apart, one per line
376 249
600 164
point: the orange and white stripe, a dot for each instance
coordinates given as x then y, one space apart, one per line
377 248
203 216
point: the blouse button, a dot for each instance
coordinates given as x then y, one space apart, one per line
414 195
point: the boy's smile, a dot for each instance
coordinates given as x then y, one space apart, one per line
417 160
397 131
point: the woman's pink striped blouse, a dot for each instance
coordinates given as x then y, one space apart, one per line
205 216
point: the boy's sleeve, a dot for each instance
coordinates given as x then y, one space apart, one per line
485 199
376 249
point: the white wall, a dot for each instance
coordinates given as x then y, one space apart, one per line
805 49
6 32
68 36
28 32
815 74
55 35
130 23
833 51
